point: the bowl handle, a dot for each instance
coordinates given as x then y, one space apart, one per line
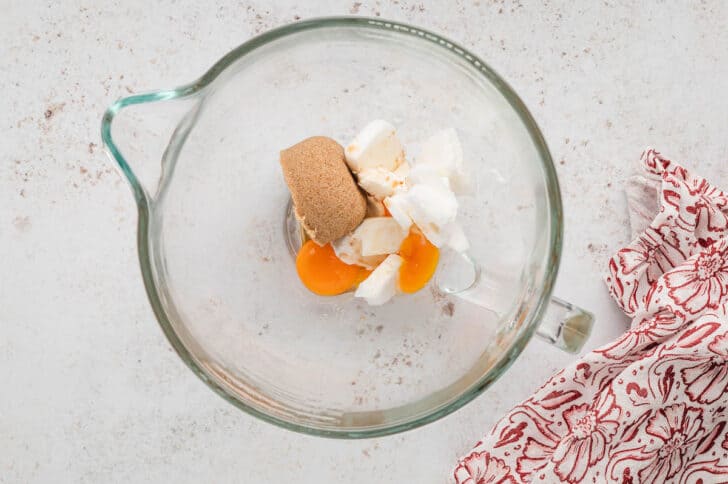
562 324
565 326
145 129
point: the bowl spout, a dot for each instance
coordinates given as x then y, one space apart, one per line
142 134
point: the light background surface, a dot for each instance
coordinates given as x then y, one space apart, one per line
91 390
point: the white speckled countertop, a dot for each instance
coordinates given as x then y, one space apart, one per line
91 390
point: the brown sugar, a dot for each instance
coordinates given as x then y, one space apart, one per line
375 208
328 203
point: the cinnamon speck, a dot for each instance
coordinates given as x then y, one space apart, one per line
22 224
355 7
448 309
91 147
52 109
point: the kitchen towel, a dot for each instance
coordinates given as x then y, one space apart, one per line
650 407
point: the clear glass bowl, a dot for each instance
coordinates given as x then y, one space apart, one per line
216 256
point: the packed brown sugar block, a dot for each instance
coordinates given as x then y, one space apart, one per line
327 200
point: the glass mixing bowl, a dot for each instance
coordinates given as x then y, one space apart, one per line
217 254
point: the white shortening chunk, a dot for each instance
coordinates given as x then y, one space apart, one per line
379 182
381 285
379 235
348 249
376 146
443 153
432 209
457 240
402 170
398 207
427 175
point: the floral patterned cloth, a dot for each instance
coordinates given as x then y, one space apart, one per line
652 406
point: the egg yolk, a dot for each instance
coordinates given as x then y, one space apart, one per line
325 274
419 261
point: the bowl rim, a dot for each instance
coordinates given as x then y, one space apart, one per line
537 302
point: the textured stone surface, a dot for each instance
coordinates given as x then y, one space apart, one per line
92 392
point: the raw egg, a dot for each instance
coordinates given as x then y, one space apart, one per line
325 274
419 261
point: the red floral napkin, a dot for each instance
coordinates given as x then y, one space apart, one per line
651 406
